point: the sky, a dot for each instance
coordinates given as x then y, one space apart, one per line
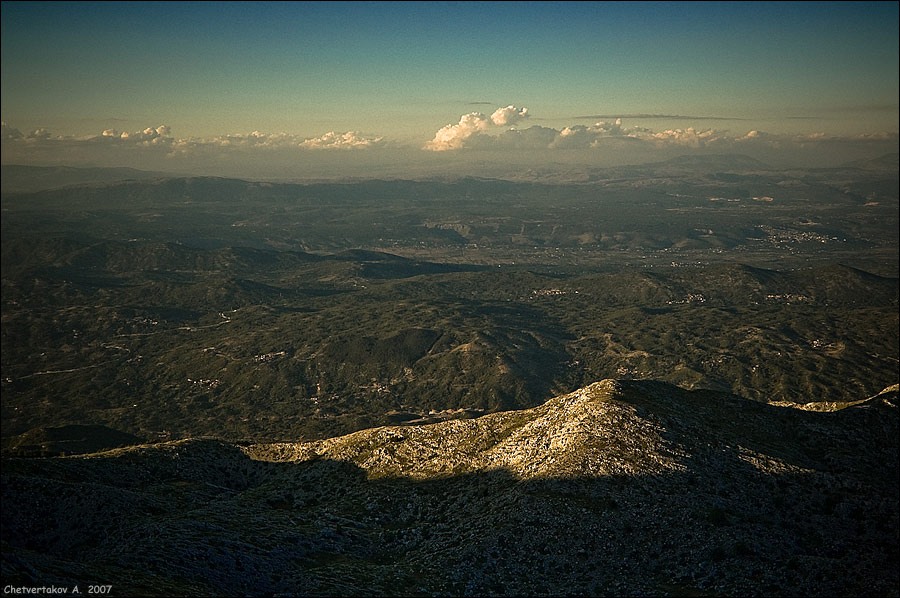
379 88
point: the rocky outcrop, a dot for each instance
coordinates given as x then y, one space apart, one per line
620 488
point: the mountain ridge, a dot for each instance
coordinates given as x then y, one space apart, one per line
522 441
622 487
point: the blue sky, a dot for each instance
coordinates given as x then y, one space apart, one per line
399 72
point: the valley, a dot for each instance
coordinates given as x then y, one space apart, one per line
172 308
418 387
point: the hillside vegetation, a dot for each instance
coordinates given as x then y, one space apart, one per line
622 487
172 308
161 340
665 379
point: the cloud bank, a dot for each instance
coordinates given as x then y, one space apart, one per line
475 131
150 135
478 131
161 137
348 140
496 136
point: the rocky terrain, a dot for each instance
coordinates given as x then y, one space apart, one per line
624 487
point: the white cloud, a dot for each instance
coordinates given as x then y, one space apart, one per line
451 137
473 131
39 134
255 139
507 116
157 147
581 136
471 126
348 140
689 137
161 135
154 135
272 141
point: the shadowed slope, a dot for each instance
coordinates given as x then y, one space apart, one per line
622 487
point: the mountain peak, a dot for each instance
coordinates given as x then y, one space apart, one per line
608 428
621 487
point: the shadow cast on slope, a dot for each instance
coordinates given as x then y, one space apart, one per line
766 503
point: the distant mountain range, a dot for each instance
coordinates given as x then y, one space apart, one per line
18 178
711 162
620 488
887 162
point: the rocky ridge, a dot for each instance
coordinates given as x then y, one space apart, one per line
620 488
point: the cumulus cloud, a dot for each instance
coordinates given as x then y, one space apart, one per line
581 136
762 139
451 137
161 135
689 137
473 131
348 140
274 141
503 117
39 134
497 131
11 133
478 131
254 139
154 135
162 139
472 125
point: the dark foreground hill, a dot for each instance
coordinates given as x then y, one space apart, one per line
620 488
